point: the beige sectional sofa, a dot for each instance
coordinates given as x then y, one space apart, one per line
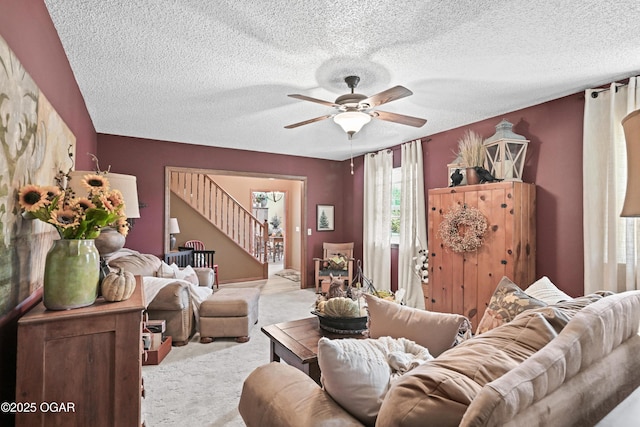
173 301
566 364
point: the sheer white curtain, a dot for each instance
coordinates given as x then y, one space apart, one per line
610 242
376 251
413 223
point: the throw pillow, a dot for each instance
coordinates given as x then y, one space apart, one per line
544 290
338 262
165 271
187 273
435 331
357 373
507 301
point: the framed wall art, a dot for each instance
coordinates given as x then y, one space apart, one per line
36 144
324 218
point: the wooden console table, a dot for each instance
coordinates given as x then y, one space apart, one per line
296 342
87 359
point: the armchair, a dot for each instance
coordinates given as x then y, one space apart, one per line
173 302
337 260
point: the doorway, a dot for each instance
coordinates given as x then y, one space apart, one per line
270 208
287 201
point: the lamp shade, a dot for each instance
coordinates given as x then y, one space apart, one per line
126 184
174 228
631 125
352 121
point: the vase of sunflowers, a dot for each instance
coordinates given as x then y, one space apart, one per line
72 266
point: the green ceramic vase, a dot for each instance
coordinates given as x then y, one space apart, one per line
71 274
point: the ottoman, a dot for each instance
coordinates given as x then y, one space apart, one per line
229 313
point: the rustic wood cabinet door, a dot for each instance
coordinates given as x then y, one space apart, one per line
81 367
463 282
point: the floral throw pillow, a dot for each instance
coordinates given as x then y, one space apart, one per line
507 301
338 262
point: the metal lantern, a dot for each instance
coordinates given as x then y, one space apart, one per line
506 152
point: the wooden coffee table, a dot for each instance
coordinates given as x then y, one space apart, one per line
296 343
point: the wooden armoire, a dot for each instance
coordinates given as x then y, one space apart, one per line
463 282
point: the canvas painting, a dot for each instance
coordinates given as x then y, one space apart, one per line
36 144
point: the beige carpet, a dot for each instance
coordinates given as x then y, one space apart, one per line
200 384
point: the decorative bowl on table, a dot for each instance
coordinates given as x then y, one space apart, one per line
341 325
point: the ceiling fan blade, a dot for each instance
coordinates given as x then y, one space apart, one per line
399 118
316 100
306 122
385 96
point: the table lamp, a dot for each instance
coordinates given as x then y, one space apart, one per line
109 240
174 228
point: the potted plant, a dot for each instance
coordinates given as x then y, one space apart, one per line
72 265
471 152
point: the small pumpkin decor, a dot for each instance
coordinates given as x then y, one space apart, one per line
340 311
118 286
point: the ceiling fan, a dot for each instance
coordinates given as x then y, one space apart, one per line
355 110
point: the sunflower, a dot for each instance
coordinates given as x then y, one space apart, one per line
52 191
82 204
122 226
95 183
75 217
116 198
64 218
106 203
32 198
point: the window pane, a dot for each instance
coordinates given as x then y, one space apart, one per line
396 185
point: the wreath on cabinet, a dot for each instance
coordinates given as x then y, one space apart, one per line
463 228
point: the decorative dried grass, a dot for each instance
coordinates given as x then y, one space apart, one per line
471 150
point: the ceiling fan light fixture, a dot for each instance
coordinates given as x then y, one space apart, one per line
352 121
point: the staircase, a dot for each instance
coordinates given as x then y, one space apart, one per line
224 212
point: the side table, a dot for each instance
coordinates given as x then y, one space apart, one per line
296 342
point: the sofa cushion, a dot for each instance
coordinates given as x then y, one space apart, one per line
165 271
438 392
136 263
435 331
507 301
593 332
544 290
357 373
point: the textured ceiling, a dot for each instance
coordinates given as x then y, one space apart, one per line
218 73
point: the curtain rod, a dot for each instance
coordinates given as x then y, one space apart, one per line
398 147
595 92
389 150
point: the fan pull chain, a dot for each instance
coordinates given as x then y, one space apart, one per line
351 145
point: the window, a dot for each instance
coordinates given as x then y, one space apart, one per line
396 187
